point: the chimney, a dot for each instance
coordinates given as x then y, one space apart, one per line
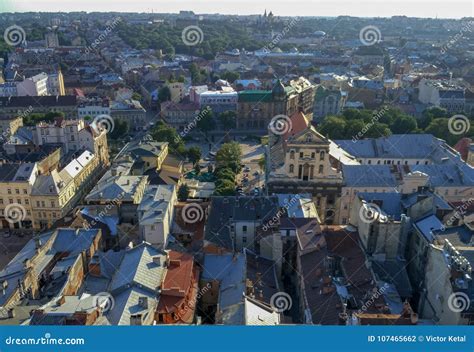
4 287
157 260
11 313
37 243
143 302
136 319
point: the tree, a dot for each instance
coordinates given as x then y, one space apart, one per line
120 129
225 174
194 154
334 127
206 120
430 114
164 94
164 133
225 188
227 119
183 192
403 124
136 96
229 155
197 169
230 76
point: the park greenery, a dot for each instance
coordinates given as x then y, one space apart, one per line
228 165
359 124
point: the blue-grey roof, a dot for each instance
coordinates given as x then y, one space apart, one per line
368 176
399 146
121 188
230 270
155 203
138 268
74 241
428 226
126 304
409 200
226 210
448 175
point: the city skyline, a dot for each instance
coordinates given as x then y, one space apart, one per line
366 8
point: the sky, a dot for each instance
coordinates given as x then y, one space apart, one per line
361 8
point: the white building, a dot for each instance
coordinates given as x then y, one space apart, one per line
156 214
33 86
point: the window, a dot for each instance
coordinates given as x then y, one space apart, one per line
244 228
301 155
292 168
292 154
321 155
52 204
321 169
17 191
11 201
369 162
313 155
244 239
9 191
25 191
1 200
27 201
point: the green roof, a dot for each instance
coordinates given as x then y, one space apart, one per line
254 96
